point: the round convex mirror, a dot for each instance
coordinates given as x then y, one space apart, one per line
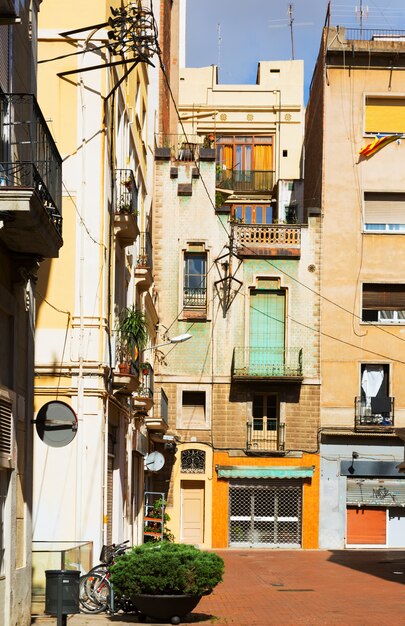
56 424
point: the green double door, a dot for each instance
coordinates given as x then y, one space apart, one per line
267 332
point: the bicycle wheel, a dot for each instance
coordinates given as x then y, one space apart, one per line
94 592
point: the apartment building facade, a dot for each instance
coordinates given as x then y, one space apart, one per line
238 269
30 232
91 491
354 175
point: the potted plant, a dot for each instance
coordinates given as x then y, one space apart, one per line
132 333
156 528
144 367
166 580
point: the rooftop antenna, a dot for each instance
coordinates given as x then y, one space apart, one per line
291 17
219 45
361 11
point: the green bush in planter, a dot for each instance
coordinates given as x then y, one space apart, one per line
166 569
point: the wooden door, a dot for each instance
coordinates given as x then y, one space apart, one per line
192 512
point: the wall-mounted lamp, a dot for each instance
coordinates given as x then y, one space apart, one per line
350 469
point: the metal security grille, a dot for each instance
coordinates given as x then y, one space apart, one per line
265 513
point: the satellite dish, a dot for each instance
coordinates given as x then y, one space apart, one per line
154 461
56 424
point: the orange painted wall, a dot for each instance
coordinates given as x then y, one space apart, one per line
310 513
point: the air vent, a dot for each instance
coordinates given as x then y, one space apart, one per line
5 427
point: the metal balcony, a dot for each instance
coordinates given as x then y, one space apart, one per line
30 179
126 192
157 421
262 440
125 206
181 147
143 269
246 181
374 414
267 363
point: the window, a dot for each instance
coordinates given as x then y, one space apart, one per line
264 433
385 114
193 461
193 409
375 404
267 332
384 212
252 213
245 153
195 280
383 303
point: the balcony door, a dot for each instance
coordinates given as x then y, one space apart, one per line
267 332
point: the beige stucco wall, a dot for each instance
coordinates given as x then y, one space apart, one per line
350 257
272 106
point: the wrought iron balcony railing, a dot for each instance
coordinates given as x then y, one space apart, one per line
29 157
126 192
195 297
182 148
260 181
374 413
253 363
145 250
260 439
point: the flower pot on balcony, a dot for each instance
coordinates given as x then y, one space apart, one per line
124 368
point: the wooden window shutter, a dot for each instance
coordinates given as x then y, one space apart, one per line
384 297
384 208
6 429
385 115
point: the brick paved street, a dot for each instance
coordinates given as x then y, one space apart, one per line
291 588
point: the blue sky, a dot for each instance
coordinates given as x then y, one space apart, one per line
258 30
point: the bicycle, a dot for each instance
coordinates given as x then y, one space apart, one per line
95 592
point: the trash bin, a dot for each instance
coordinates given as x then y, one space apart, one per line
62 592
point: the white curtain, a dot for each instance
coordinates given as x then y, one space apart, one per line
372 379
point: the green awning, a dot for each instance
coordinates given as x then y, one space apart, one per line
254 471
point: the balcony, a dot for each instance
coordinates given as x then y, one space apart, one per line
261 440
246 181
125 206
30 179
374 413
180 147
143 269
158 421
264 364
273 240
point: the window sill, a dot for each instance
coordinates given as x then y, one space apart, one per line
192 314
386 323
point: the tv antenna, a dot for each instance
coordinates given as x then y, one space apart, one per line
361 12
219 45
291 18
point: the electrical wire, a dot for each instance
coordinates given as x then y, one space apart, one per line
320 332
71 54
102 245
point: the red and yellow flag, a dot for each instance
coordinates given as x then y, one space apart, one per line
377 144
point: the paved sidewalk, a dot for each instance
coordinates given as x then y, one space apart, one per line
294 588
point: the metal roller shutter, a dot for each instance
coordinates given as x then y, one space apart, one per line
376 493
265 513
